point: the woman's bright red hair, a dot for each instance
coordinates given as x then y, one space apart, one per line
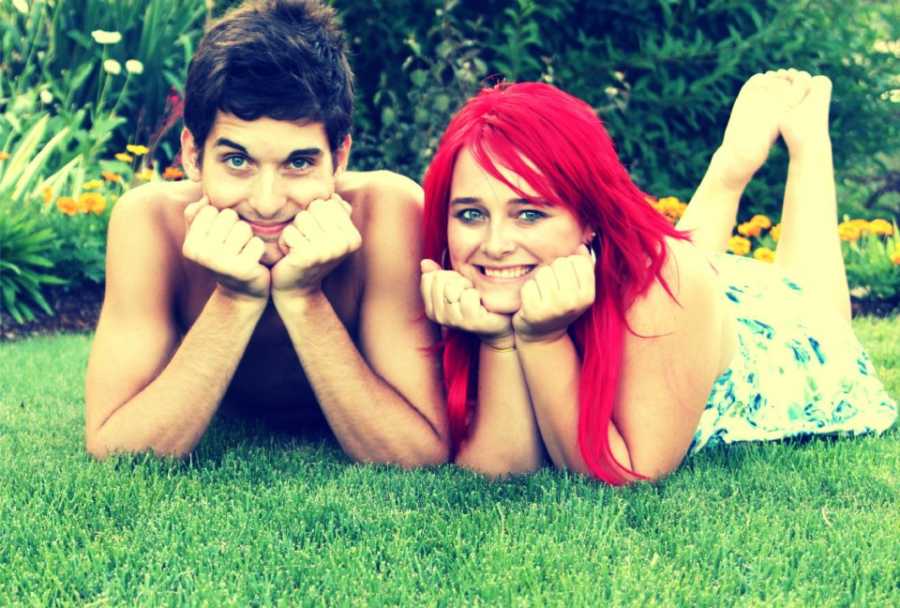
558 145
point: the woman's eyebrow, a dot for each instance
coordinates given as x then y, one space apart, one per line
471 200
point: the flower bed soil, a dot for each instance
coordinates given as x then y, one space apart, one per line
77 311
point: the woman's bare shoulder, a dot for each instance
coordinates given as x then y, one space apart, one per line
687 293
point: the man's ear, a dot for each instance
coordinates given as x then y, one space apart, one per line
343 155
190 155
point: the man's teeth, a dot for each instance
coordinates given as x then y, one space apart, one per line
507 273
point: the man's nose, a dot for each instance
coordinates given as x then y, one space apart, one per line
499 241
268 195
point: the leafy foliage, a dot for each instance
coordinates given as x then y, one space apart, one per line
661 74
25 266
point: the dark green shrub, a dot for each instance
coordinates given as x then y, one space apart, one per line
661 74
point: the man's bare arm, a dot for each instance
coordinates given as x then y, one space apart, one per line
384 404
144 391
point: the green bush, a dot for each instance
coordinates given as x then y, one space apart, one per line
661 74
51 51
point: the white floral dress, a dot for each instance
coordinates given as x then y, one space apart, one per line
782 381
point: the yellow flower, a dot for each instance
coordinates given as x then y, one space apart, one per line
4 155
91 202
860 225
111 177
764 254
895 255
670 207
137 150
94 184
881 227
749 229
144 175
775 232
849 232
762 221
67 205
47 193
125 158
173 173
738 245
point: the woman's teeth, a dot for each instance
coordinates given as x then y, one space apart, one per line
506 273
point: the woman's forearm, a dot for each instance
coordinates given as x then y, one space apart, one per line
504 436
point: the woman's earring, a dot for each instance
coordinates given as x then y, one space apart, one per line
593 246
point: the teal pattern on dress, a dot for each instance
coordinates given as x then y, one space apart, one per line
792 374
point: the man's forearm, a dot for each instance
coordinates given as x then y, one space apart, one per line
370 419
170 414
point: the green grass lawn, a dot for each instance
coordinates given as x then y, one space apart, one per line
253 519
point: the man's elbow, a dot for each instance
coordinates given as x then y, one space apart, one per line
100 447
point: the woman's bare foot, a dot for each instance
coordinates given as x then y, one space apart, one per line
754 125
804 124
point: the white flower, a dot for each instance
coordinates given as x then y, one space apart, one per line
46 96
611 91
104 37
21 6
133 66
111 66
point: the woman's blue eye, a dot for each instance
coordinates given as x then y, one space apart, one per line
531 215
469 216
235 161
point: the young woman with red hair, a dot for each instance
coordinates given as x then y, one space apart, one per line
581 325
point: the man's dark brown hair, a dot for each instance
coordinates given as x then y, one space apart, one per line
283 59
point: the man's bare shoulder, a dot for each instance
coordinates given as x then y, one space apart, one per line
380 192
159 205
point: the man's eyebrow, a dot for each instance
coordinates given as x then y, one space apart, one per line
301 152
224 141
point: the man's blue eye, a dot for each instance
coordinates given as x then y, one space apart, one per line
469 215
235 161
300 163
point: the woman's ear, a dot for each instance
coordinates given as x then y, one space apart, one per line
190 155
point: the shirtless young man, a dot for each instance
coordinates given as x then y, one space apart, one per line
275 282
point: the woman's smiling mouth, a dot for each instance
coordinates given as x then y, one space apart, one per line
505 272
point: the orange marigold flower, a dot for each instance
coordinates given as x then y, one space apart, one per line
4 155
67 205
749 229
125 158
47 193
94 184
738 245
895 255
762 221
91 202
775 232
764 254
881 227
137 150
173 173
110 176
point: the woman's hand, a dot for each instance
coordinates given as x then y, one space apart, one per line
452 301
556 296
